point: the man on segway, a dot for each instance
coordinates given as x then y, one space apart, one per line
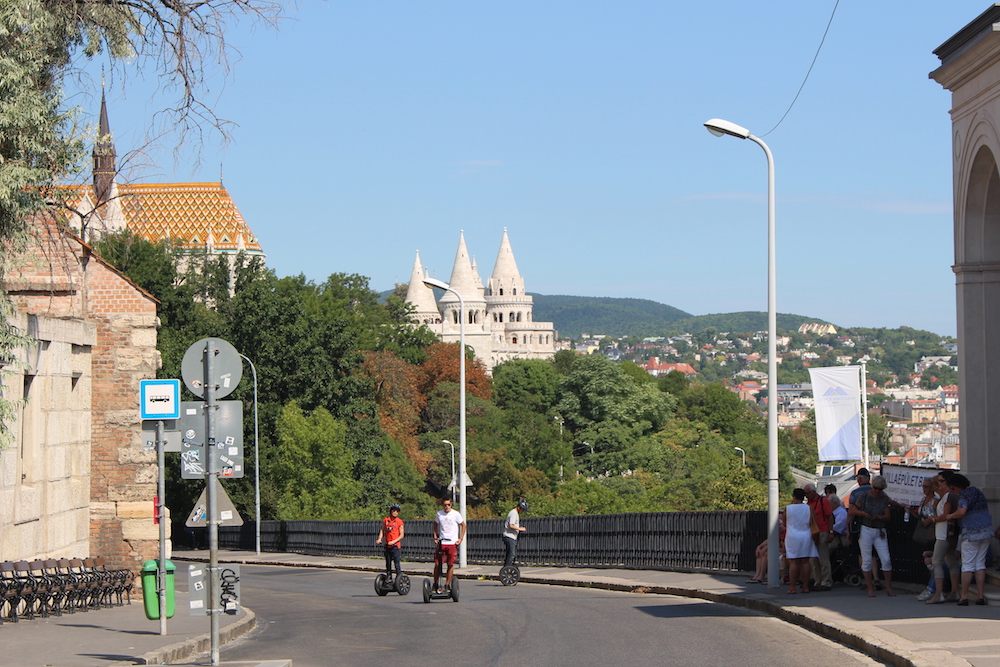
511 528
449 531
392 531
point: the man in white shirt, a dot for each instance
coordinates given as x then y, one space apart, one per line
511 527
449 531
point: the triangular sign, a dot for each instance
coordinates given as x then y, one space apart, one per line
226 511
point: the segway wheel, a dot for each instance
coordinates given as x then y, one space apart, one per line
853 579
402 584
454 589
510 575
427 590
380 585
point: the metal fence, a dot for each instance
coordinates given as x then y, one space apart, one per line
694 541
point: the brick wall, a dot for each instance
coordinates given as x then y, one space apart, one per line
59 276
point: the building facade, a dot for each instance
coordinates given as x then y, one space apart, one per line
74 481
499 324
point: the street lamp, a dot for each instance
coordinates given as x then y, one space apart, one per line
740 450
433 282
256 458
449 442
720 127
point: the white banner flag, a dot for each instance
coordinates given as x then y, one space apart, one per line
837 392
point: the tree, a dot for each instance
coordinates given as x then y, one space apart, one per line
442 365
313 467
598 390
530 384
40 145
399 401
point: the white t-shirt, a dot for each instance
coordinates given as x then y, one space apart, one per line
513 519
448 523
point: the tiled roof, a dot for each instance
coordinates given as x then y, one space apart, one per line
188 211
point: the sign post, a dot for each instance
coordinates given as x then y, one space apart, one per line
160 400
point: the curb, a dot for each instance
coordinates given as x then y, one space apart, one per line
201 644
863 643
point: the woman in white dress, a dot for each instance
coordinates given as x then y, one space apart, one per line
799 543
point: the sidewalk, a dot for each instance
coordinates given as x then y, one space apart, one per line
897 631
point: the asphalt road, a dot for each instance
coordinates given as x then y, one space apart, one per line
320 618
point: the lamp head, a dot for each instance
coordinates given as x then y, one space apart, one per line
719 127
434 282
447 442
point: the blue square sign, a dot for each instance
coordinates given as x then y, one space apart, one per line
160 399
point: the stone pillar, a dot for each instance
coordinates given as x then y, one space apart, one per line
970 69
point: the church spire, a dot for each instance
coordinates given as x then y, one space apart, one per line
104 157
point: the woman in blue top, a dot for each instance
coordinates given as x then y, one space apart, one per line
977 533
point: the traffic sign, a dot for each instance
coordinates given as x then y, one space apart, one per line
226 510
227 367
159 399
228 446
171 435
227 589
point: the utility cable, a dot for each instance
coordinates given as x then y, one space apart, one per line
811 65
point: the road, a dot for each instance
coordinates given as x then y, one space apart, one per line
320 618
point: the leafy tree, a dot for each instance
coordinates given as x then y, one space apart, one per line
442 365
563 361
313 467
399 401
598 390
531 384
673 382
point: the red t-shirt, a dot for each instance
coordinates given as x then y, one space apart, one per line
392 528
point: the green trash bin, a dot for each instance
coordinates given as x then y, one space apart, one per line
149 596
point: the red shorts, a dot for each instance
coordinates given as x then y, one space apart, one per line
446 554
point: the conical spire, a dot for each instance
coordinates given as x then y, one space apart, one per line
463 279
505 274
420 295
104 157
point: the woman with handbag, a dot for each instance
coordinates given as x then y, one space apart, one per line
923 531
977 532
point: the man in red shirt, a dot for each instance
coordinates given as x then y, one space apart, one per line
392 532
821 572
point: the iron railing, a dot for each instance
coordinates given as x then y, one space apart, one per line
682 541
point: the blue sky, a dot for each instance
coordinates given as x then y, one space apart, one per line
369 130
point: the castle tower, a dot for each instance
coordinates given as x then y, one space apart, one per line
498 323
421 296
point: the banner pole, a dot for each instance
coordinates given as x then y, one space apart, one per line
864 411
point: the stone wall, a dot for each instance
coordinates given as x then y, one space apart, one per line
59 278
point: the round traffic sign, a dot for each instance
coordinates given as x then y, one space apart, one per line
227 367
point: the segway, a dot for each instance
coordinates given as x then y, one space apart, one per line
431 594
385 584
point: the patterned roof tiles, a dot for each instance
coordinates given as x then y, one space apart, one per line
192 212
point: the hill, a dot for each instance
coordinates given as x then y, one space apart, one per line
575 315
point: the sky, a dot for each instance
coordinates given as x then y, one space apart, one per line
366 131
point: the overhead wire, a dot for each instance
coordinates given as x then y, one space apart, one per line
811 65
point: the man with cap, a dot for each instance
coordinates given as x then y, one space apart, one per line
863 478
511 527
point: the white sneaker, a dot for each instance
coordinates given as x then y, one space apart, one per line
925 595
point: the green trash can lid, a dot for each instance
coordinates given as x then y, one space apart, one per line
152 565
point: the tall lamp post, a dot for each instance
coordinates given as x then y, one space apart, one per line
449 442
742 453
256 458
433 282
719 128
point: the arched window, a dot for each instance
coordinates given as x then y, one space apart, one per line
501 291
501 317
514 340
512 319
454 317
519 317
515 291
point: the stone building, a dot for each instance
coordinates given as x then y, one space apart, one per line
75 482
499 323
970 69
